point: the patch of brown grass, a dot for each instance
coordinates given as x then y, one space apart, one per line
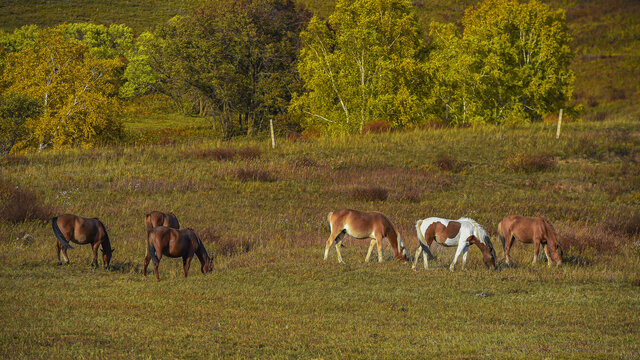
224 245
373 193
228 154
252 174
376 127
599 239
627 226
530 163
446 163
18 204
305 161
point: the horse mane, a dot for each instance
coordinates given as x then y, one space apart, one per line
106 246
480 233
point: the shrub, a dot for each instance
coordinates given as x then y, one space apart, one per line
369 193
627 226
225 246
530 163
228 154
376 127
248 174
446 162
305 161
18 204
598 239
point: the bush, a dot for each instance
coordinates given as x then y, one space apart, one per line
18 205
531 163
228 154
369 194
225 246
248 174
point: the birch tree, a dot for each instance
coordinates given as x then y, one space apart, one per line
361 65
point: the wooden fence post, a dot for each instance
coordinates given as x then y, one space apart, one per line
559 124
273 139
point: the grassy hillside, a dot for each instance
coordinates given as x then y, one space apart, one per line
262 213
606 36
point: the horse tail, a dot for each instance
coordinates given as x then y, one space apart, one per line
329 220
59 235
421 240
151 250
501 235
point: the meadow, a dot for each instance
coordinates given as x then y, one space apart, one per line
261 213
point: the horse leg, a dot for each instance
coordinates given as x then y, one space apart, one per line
546 252
416 257
338 245
465 252
186 261
379 246
147 259
333 237
373 242
536 251
461 246
58 247
95 255
507 248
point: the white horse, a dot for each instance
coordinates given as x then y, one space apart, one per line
461 233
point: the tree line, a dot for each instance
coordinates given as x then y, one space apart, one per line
243 62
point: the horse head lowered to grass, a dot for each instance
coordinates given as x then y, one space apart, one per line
173 243
71 228
462 233
364 225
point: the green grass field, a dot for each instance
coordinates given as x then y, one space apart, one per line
263 216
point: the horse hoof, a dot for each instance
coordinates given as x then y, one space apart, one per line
59 263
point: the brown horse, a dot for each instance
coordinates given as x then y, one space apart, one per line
81 231
363 225
528 230
157 218
174 243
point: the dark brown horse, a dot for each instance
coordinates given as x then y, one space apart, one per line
71 228
157 218
528 230
173 243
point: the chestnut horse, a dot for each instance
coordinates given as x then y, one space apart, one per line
81 231
528 230
173 243
363 225
157 218
462 233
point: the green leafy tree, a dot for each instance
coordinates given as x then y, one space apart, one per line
139 76
104 42
74 89
363 64
511 63
238 55
15 111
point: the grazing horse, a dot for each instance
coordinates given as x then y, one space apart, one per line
173 243
363 225
157 218
462 233
528 230
81 231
